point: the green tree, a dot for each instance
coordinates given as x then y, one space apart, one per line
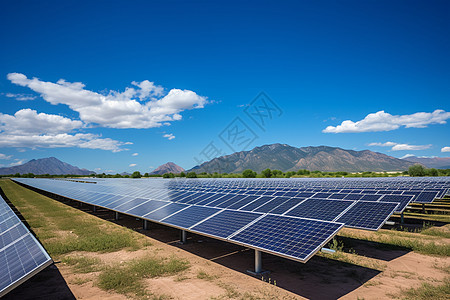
431 172
136 174
191 175
182 174
267 173
146 175
249 174
416 170
303 172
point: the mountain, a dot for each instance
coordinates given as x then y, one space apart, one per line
50 165
287 158
169 167
431 162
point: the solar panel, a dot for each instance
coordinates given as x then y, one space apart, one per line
144 208
225 223
165 211
402 199
321 209
291 237
190 216
21 255
367 215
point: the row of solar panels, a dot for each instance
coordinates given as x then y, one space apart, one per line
369 215
287 236
21 255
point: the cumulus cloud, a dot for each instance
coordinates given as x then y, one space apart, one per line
17 163
21 97
169 136
28 121
445 149
132 165
62 140
5 157
135 154
141 106
401 147
382 121
29 129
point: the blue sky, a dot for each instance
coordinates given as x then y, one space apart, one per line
117 86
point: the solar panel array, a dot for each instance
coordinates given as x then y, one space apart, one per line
230 209
21 255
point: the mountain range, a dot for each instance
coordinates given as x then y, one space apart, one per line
50 165
287 158
169 167
431 162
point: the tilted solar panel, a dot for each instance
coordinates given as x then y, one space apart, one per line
21 255
291 237
367 215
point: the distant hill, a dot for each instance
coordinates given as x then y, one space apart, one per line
50 165
431 162
287 158
169 167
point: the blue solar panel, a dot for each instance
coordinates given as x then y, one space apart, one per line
286 206
402 199
190 216
244 200
146 207
130 204
21 255
425 197
367 215
277 201
295 238
321 209
225 223
165 211
257 203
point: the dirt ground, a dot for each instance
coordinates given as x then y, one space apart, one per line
378 273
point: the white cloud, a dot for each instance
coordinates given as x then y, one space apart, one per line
17 163
382 121
135 154
115 109
21 97
387 144
169 136
29 122
445 149
132 165
4 156
62 140
401 147
29 129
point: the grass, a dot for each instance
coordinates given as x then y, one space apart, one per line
428 291
83 264
128 278
63 229
203 275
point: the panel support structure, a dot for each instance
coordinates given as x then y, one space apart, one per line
94 208
423 208
116 216
401 218
145 225
183 237
258 262
258 265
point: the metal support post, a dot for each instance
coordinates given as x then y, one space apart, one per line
116 215
145 226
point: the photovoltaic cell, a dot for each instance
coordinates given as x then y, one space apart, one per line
296 238
225 223
321 209
165 211
367 215
145 208
190 216
402 199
